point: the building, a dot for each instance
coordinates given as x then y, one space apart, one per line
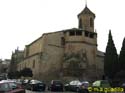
66 54
4 64
16 57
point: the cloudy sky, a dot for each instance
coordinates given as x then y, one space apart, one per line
23 21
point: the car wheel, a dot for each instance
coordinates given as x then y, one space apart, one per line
77 89
31 88
85 91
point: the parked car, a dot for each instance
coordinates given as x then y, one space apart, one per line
101 84
36 85
25 82
19 81
10 87
56 85
83 88
72 86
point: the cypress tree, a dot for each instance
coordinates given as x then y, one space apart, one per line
121 74
111 58
122 57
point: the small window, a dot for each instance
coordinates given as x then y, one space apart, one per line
78 33
72 33
91 22
80 23
62 41
33 63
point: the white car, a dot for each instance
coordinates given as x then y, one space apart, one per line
101 83
73 85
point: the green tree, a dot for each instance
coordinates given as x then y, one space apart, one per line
14 75
111 58
122 57
26 72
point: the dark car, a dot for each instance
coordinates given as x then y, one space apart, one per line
83 88
72 86
36 85
25 82
56 85
10 87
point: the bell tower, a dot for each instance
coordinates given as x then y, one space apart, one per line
86 20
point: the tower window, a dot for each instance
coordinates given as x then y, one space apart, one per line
72 33
80 23
87 34
78 33
91 22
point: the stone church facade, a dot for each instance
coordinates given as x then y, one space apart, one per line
67 54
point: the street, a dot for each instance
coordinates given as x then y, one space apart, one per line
27 91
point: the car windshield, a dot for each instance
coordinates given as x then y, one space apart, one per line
123 84
77 82
85 83
26 81
101 83
4 87
105 83
96 83
35 81
56 82
12 85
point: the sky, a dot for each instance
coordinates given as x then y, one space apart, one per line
23 21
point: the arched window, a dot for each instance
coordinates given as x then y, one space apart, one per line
80 23
91 22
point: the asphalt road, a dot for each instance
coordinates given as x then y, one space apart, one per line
27 91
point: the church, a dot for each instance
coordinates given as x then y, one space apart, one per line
67 54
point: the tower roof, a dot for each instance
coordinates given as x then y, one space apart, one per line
86 10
